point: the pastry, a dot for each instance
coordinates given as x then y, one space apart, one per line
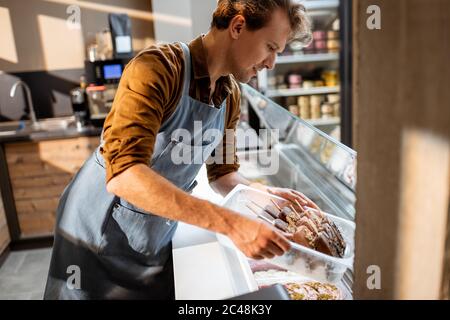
308 227
313 291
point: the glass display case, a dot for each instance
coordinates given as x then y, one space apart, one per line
294 155
309 160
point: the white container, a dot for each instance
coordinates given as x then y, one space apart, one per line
302 260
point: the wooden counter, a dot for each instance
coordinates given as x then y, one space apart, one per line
39 171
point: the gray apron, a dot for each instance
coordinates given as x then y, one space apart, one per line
106 248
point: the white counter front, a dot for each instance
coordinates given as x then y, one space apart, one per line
204 269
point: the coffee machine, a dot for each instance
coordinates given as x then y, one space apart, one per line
103 79
107 58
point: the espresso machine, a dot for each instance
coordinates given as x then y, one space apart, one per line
103 78
107 59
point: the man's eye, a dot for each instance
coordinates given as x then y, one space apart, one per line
271 48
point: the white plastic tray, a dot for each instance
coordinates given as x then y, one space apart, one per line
302 260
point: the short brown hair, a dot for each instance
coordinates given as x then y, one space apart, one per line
257 14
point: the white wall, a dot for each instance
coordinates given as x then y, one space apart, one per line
181 20
202 11
36 36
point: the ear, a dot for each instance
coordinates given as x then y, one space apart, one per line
237 25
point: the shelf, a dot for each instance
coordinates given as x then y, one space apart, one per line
324 121
303 58
301 91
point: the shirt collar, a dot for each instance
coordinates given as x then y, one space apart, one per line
200 65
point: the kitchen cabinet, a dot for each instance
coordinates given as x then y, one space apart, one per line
39 171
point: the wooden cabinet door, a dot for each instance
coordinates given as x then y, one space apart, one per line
39 172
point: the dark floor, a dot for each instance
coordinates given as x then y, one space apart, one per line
23 274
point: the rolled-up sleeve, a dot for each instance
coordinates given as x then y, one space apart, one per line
146 91
227 154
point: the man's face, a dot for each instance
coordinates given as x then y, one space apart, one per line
253 51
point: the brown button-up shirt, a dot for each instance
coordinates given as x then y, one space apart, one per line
148 94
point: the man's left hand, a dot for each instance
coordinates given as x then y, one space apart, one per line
288 194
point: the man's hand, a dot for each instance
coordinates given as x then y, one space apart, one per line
226 183
258 239
288 194
293 196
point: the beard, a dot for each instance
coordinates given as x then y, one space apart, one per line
240 73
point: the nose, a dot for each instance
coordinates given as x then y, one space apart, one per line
269 63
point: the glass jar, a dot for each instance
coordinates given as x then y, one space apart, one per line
327 110
304 107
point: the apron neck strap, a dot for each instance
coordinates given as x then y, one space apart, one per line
187 68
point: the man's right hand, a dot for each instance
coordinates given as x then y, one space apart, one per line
258 239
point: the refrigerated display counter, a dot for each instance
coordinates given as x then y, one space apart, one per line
294 155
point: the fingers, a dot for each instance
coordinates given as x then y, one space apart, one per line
274 250
287 235
270 244
261 240
300 199
281 241
305 199
308 201
257 257
275 236
293 196
268 252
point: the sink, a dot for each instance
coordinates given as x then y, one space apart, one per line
42 126
10 128
55 124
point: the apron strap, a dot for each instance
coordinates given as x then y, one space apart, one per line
187 68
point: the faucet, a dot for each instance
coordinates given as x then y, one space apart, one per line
12 93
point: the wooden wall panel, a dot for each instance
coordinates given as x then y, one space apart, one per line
39 172
402 136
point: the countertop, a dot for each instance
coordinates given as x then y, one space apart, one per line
29 135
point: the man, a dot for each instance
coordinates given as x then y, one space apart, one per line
117 217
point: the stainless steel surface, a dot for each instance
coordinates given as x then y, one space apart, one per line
9 128
55 124
42 127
